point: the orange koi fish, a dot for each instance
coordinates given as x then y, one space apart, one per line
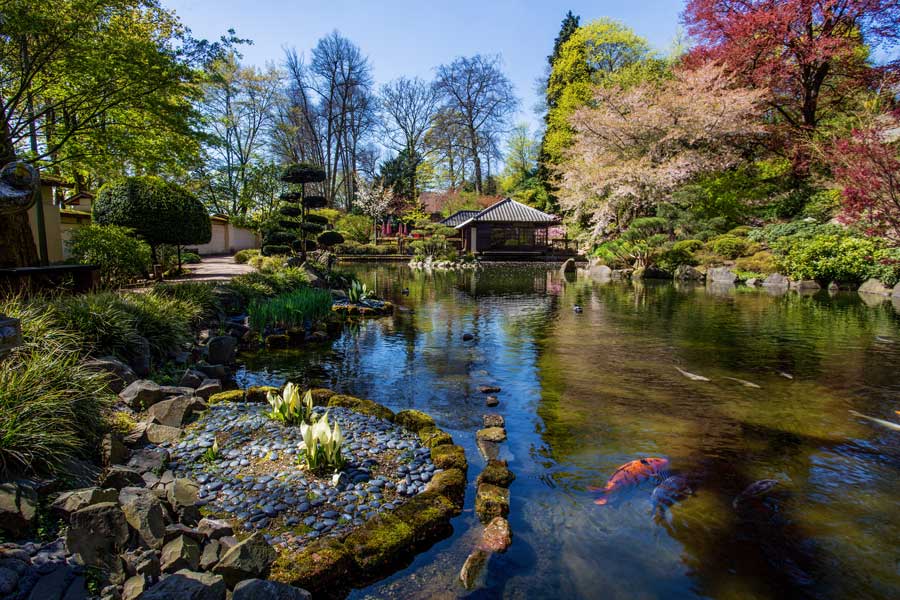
631 473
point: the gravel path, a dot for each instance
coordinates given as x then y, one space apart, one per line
214 268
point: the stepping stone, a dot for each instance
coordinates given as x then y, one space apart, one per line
491 401
493 420
489 389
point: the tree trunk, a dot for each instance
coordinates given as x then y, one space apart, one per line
17 247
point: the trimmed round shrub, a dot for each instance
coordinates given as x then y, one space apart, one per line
729 246
302 173
687 246
158 211
313 228
280 238
291 196
330 238
290 211
242 256
761 262
120 255
315 202
297 245
317 219
275 250
285 224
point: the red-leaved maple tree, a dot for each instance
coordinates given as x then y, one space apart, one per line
867 166
810 54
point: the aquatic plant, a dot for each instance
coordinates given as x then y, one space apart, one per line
357 292
322 445
211 453
293 309
288 407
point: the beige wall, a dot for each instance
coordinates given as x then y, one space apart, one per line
227 239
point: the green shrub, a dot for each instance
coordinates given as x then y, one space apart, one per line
329 239
762 262
356 228
729 246
275 250
886 266
823 205
164 322
103 325
119 254
279 238
828 257
740 231
679 254
293 309
242 256
199 294
158 211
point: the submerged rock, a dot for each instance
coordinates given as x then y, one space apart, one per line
875 287
496 536
472 568
491 501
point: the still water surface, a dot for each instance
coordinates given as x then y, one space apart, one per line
583 393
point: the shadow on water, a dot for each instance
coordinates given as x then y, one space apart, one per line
584 392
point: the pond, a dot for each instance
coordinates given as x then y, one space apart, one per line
584 392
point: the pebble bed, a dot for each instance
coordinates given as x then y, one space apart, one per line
258 479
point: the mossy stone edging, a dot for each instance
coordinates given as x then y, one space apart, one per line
329 567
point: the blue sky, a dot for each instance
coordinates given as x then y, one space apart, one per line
412 37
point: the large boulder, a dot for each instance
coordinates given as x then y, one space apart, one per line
187 585
805 285
192 379
599 272
689 273
149 459
158 434
97 534
875 287
145 514
183 493
721 275
69 502
141 394
112 449
120 374
251 558
176 412
120 476
208 388
895 293
777 280
18 507
221 350
181 553
214 528
258 589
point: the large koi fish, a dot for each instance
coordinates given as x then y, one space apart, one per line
631 473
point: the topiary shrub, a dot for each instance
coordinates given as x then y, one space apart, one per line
315 202
762 262
275 250
158 211
317 219
242 256
290 211
302 173
280 238
120 256
826 258
729 246
330 238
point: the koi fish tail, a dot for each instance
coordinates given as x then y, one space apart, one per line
601 501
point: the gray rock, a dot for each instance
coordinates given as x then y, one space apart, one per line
181 553
120 476
134 587
97 533
141 394
144 513
895 293
120 374
221 350
875 287
113 450
9 580
192 379
599 271
149 459
752 282
215 528
141 361
18 507
721 275
220 372
249 559
182 493
208 388
187 585
777 280
210 555
178 411
805 284
158 434
472 568
53 585
689 273
176 390
258 589
69 502
77 590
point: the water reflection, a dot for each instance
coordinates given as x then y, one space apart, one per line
586 392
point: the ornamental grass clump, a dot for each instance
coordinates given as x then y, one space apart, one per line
294 309
322 445
288 408
200 295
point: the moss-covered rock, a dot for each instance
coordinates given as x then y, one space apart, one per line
323 568
491 434
450 483
414 420
449 456
260 393
496 473
278 341
432 437
366 407
229 396
321 396
380 541
428 514
491 501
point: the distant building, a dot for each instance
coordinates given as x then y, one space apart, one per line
507 227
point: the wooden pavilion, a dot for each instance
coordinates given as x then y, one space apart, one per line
507 227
